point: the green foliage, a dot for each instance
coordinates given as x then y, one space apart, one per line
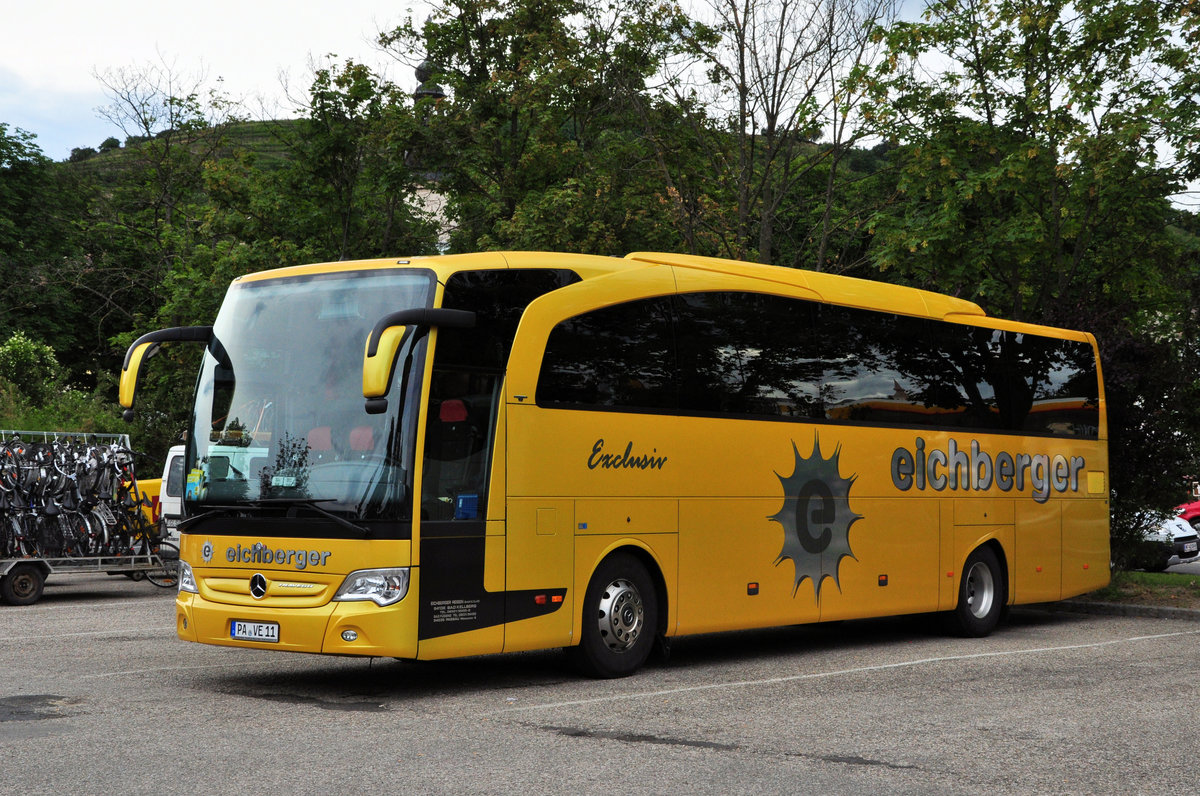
34 397
1029 174
542 120
350 172
29 366
22 170
68 410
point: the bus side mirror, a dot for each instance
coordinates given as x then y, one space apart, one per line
383 345
146 347
378 367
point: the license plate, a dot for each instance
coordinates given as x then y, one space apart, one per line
254 631
1191 547
172 522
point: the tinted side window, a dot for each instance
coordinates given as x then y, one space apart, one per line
1064 388
879 369
748 354
617 357
895 369
757 355
498 298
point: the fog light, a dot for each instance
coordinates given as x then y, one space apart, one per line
349 635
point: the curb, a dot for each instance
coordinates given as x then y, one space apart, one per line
1121 609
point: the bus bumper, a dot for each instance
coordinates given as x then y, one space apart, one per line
337 628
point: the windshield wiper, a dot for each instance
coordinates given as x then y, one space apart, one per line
263 504
311 503
213 511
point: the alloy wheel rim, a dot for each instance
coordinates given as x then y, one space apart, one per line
622 615
981 590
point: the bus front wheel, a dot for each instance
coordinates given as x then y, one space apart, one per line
620 619
981 595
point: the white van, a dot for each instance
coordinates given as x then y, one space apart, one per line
170 496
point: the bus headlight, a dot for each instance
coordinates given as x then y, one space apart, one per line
383 586
187 581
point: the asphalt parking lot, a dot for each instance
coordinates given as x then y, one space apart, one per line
1190 568
99 697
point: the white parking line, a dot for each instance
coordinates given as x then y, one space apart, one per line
163 669
838 673
141 632
73 607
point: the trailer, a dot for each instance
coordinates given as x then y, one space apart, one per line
24 568
23 579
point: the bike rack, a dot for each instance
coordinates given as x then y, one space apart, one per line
126 564
51 436
113 565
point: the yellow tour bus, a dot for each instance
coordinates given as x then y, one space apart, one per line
469 454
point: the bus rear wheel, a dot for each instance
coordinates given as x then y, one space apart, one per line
981 595
620 619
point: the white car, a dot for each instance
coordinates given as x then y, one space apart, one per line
170 498
1179 542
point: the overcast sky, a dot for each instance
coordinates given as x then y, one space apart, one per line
51 50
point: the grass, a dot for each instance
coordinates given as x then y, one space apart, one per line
1173 589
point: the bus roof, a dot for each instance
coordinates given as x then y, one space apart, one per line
588 266
832 288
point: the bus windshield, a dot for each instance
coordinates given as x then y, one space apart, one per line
279 414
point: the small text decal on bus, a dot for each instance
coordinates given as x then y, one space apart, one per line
625 460
977 470
816 517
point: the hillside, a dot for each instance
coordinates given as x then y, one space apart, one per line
266 140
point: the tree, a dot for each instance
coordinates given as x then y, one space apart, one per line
538 141
22 175
39 208
149 211
349 171
1034 168
777 72
180 125
1031 173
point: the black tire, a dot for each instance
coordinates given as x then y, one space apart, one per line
620 619
982 593
22 585
168 576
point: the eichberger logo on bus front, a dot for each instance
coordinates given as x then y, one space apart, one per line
816 517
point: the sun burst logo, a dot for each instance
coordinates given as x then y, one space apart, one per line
816 518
